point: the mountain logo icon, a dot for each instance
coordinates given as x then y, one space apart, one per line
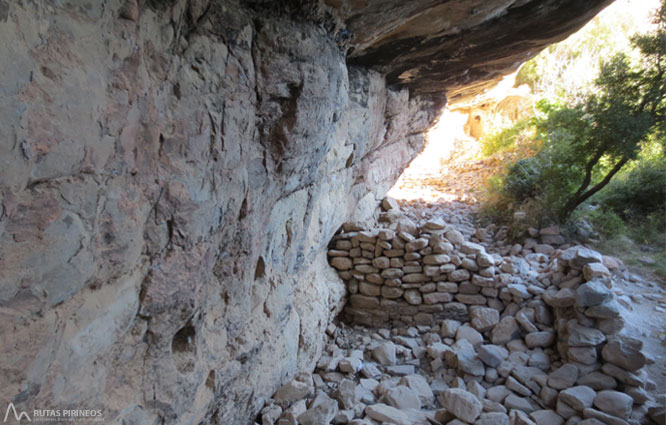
17 416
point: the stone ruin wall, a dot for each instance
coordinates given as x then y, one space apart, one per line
551 300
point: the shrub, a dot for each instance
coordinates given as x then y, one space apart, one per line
606 222
502 139
638 193
523 179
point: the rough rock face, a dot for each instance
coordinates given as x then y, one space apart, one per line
168 191
172 172
460 45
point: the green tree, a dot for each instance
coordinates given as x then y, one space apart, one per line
588 144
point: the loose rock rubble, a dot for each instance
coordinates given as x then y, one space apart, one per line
450 325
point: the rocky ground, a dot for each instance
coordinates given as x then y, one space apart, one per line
574 338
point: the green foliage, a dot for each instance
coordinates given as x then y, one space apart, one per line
649 229
602 143
638 193
567 70
586 144
504 138
523 179
606 222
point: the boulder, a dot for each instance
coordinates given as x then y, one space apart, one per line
506 330
483 318
492 355
402 397
292 391
493 418
540 339
598 381
582 336
469 334
467 360
546 417
384 413
595 271
564 377
578 256
419 385
592 293
321 411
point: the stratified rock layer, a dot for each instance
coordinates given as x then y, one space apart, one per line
460 45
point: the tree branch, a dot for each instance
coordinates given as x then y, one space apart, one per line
589 167
578 199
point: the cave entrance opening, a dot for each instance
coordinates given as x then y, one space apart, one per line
451 167
477 138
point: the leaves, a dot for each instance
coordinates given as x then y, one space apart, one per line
589 141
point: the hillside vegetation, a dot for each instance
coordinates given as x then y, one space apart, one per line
592 151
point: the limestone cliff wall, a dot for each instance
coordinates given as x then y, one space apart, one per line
171 173
168 191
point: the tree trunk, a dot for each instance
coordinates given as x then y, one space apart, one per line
581 197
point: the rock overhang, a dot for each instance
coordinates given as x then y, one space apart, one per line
457 47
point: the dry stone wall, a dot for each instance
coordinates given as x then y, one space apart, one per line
533 332
412 275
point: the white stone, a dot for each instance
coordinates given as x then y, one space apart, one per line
492 355
462 404
546 417
350 365
385 413
595 271
346 393
625 352
483 318
540 339
419 384
592 293
614 403
493 418
564 377
469 334
384 353
506 330
321 411
270 414
292 391
578 397
402 397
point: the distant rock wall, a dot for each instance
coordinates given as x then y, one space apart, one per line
172 172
